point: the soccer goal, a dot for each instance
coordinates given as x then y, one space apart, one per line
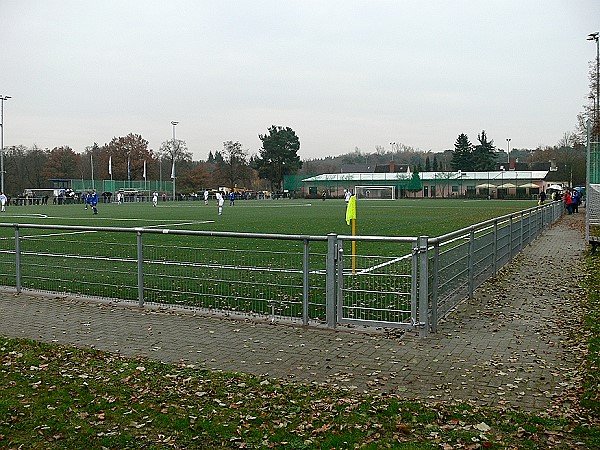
375 192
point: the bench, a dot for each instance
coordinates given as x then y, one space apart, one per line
594 242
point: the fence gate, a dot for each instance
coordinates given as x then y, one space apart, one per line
375 290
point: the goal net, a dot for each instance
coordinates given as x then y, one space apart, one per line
375 192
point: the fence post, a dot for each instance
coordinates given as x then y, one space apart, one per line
414 284
339 293
330 275
140 268
521 240
545 221
423 287
17 260
510 238
471 260
305 259
495 247
434 287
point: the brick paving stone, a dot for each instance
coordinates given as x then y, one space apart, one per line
507 345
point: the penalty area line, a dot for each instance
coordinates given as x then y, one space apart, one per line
40 216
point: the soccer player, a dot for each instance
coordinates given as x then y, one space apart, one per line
155 199
347 195
94 201
220 201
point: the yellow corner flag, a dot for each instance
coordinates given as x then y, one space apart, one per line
351 219
351 209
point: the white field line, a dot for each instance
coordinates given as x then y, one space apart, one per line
379 266
45 216
282 206
265 205
171 225
42 216
55 234
159 262
12 238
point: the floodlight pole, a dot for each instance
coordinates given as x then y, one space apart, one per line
2 98
174 123
508 152
594 37
588 176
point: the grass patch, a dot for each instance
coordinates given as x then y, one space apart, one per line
591 394
63 397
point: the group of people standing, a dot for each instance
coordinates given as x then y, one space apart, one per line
572 199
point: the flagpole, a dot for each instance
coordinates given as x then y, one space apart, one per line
173 122
353 246
173 177
92 165
351 220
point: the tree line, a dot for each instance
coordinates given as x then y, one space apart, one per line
567 158
230 166
130 158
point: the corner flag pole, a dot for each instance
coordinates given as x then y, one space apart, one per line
351 220
353 246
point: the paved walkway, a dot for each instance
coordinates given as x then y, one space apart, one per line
505 346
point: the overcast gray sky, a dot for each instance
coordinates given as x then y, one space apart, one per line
341 73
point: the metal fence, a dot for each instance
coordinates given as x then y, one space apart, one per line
402 282
462 260
592 209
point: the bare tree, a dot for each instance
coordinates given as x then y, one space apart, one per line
174 150
234 166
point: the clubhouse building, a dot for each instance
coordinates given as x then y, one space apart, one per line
517 184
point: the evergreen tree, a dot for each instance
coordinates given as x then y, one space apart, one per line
279 155
462 156
484 155
414 185
427 165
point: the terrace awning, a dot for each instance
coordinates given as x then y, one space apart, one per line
485 186
507 186
529 185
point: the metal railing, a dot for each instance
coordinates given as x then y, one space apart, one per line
462 260
401 282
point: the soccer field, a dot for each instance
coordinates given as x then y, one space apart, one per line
136 251
404 217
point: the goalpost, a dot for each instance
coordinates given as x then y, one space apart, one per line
375 192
